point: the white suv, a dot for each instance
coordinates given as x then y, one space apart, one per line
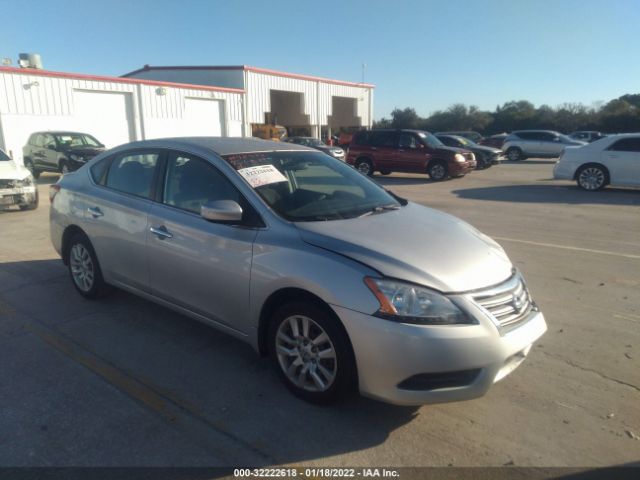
522 144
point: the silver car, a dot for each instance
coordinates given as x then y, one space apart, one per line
522 144
343 284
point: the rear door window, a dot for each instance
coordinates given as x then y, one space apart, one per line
627 145
133 173
382 139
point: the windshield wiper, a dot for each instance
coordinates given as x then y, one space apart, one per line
379 209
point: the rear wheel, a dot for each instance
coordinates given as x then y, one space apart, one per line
311 353
28 163
364 166
514 154
592 177
64 167
84 268
437 171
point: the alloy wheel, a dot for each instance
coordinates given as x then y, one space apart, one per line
82 269
591 178
438 172
364 168
306 354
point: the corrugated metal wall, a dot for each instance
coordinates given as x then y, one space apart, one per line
32 102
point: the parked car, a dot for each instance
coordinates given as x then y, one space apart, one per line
495 141
522 144
312 142
485 156
613 160
17 185
473 136
587 136
61 152
411 151
344 140
344 284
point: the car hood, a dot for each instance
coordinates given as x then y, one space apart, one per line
451 149
10 170
484 149
416 244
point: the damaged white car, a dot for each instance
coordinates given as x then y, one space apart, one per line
17 186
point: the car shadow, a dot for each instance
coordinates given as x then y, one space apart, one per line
396 179
568 194
214 379
537 161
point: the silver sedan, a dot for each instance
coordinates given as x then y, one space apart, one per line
343 284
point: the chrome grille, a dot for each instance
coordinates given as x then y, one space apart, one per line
508 304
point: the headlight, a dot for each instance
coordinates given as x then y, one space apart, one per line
460 158
26 182
77 158
408 303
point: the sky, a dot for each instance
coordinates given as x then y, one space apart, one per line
422 54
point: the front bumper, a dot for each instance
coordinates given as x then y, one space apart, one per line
462 168
388 353
17 196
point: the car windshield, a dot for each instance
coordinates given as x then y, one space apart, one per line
76 140
4 157
430 139
309 186
464 141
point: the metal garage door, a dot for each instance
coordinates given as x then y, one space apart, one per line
203 117
105 115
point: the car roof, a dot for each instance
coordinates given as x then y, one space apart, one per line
219 145
61 132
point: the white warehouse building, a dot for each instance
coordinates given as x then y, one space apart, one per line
114 110
156 102
305 105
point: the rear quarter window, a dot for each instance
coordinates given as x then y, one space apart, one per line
99 170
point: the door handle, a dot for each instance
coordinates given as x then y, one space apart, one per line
161 232
95 212
613 156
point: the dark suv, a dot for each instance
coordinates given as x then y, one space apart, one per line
59 151
411 151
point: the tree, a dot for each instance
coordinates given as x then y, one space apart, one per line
407 118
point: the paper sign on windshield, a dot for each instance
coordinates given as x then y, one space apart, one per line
262 175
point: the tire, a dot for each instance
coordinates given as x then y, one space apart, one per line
64 167
364 166
592 177
514 154
28 163
482 162
33 205
300 363
385 172
437 171
84 268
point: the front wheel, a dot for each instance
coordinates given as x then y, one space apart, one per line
514 154
437 171
311 353
64 167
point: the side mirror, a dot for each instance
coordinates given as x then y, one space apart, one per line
221 211
556 139
419 146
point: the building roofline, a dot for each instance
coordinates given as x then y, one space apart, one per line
102 78
248 68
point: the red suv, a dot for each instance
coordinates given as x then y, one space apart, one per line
411 151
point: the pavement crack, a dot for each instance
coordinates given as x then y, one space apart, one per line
590 370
